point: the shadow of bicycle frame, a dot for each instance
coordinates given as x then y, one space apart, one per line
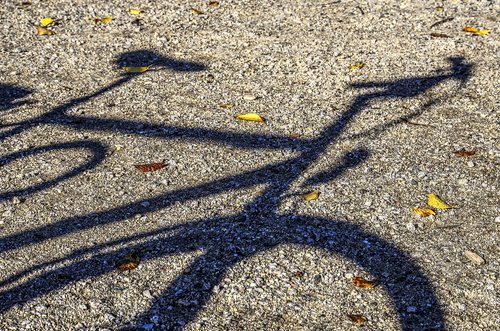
227 241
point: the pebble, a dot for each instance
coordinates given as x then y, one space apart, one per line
40 307
474 257
145 204
109 317
470 164
249 97
411 226
147 294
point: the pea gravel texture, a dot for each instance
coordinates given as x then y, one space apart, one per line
223 236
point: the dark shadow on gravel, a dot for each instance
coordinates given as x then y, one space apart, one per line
12 96
227 241
96 149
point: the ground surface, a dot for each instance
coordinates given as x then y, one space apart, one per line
224 237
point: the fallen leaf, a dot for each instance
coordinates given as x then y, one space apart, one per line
41 31
474 257
150 166
136 70
251 117
294 135
465 153
134 11
424 211
311 196
129 262
470 29
298 274
476 30
357 318
106 19
196 11
46 21
434 201
439 35
483 32
213 3
357 66
227 105
363 283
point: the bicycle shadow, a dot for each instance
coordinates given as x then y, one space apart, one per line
12 96
257 228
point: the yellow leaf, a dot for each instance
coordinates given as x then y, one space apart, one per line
106 19
424 211
251 117
357 65
41 31
213 3
434 201
476 30
363 283
311 196
196 11
135 70
483 32
46 21
471 29
135 11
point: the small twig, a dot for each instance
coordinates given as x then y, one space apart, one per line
361 10
441 22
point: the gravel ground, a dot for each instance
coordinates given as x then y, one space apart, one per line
222 233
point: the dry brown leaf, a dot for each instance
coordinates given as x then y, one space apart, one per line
294 135
357 318
213 3
424 211
196 11
465 153
129 262
41 31
363 283
439 35
150 167
311 196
